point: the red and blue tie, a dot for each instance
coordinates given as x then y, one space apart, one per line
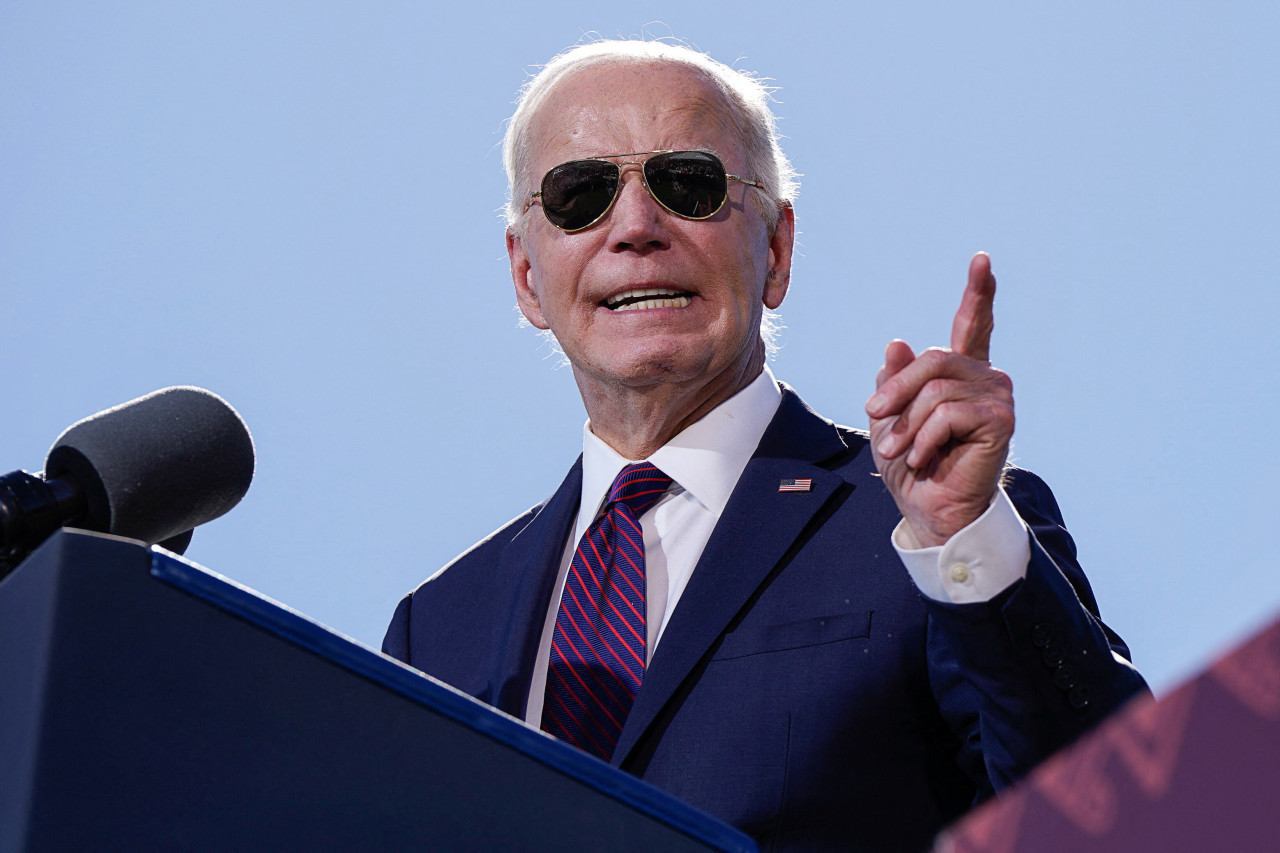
598 648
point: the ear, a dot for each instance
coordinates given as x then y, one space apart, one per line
521 277
781 245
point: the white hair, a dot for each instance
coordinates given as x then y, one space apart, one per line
746 96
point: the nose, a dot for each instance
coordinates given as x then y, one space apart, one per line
637 222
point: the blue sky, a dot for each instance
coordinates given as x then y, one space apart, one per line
296 205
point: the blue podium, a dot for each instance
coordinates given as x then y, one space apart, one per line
149 704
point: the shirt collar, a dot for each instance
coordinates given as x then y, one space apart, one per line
705 459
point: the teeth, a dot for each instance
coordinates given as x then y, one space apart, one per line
653 297
678 302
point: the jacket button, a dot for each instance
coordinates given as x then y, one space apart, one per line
1064 677
1051 657
1078 698
1042 635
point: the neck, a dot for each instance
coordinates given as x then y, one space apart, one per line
638 420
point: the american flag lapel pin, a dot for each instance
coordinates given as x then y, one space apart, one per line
792 485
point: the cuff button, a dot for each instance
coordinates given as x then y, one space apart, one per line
1064 677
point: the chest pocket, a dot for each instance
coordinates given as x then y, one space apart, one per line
801 634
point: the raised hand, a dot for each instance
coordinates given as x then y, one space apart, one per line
941 421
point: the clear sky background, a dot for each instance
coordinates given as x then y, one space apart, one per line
297 206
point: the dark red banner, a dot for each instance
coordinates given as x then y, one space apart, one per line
1197 770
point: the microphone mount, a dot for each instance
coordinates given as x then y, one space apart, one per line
31 509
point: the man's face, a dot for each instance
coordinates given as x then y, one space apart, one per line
563 281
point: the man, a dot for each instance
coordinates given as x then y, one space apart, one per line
743 635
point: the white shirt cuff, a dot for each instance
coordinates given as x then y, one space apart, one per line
975 564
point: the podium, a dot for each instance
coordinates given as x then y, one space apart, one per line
149 704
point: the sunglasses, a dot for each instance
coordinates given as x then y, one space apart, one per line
690 184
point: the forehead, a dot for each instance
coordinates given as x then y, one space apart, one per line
626 107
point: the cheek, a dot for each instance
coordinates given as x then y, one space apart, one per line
556 279
558 262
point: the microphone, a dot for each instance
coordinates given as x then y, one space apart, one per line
151 469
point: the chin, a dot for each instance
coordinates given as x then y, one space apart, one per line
650 368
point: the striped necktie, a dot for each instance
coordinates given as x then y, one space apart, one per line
598 648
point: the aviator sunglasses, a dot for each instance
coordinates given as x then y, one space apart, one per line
690 184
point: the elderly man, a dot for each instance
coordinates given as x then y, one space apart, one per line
829 638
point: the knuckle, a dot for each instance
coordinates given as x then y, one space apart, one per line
947 410
1007 417
998 419
933 389
944 388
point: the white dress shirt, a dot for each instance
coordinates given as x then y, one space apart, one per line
704 462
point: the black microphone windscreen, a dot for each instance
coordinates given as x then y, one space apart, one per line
159 465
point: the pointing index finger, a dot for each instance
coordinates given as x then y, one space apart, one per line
971 329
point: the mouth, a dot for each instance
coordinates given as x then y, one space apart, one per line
646 298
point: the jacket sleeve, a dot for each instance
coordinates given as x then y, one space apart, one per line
396 641
1021 676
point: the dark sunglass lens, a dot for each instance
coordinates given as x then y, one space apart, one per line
688 183
576 194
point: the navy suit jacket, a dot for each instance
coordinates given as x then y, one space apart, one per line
804 690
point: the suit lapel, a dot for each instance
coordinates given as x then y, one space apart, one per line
759 525
527 573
